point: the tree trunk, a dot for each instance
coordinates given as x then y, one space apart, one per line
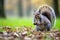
2 9
56 7
20 8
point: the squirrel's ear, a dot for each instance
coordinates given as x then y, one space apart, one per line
34 13
34 10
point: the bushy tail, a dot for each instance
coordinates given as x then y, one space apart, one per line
52 16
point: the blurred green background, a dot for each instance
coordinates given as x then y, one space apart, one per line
16 13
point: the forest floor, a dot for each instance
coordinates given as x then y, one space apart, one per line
27 33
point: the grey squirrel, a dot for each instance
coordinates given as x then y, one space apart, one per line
46 15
